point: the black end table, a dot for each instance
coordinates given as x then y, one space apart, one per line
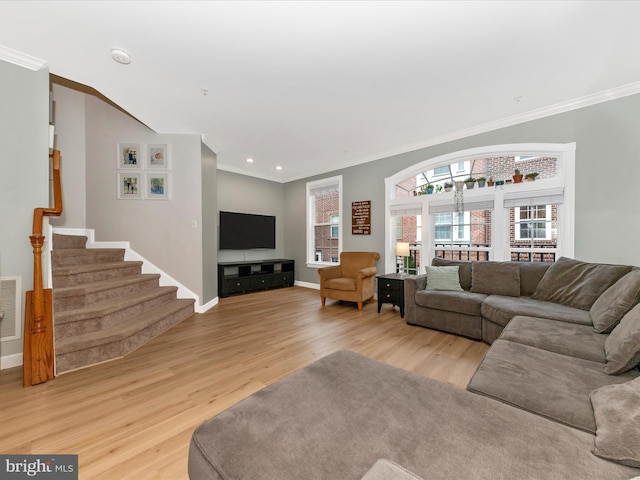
391 290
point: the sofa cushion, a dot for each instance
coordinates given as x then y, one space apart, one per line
495 278
464 271
550 384
616 409
443 278
577 284
500 309
618 299
383 469
622 347
560 337
461 302
530 275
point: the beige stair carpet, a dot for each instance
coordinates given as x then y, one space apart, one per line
104 307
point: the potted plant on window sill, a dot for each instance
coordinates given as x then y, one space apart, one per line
517 176
531 176
490 182
448 186
481 182
470 183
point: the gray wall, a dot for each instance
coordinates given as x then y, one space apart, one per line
209 224
24 178
161 231
69 119
607 137
243 194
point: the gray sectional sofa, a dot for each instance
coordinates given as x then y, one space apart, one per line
556 397
492 293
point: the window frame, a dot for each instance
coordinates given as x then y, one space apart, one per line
329 182
500 250
547 223
334 225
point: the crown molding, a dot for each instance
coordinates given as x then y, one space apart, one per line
239 171
562 107
21 59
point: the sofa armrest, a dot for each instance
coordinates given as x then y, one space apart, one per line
367 272
412 284
327 273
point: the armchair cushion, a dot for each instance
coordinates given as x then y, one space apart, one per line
342 283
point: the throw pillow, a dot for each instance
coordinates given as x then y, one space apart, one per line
443 278
464 271
496 278
616 409
617 300
622 346
577 284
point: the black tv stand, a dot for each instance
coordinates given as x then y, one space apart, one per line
242 277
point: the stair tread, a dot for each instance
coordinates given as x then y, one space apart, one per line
123 331
93 267
114 304
92 287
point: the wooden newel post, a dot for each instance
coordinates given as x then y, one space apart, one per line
38 335
37 355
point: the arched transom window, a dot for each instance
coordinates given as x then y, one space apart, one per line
504 203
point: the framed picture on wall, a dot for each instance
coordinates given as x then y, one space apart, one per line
157 156
129 155
157 185
129 185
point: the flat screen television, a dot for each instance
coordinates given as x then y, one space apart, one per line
244 231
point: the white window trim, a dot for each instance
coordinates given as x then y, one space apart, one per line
311 248
565 153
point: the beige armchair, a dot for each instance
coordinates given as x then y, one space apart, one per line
352 281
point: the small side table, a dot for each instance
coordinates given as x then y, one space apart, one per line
391 290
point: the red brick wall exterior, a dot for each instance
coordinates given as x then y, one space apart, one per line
326 205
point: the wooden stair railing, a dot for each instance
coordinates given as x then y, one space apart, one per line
37 352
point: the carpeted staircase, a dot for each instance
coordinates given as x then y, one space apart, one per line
104 307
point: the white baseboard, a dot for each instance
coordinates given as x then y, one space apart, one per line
10 361
315 286
207 306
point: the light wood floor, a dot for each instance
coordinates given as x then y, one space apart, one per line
132 418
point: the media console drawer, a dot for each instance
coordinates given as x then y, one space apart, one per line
242 277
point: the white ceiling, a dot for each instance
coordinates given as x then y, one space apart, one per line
315 86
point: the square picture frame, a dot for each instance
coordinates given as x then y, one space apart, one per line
129 185
129 155
157 156
157 185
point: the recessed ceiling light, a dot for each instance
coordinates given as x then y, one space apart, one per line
249 160
120 56
278 167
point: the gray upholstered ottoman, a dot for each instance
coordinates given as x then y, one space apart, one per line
335 418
